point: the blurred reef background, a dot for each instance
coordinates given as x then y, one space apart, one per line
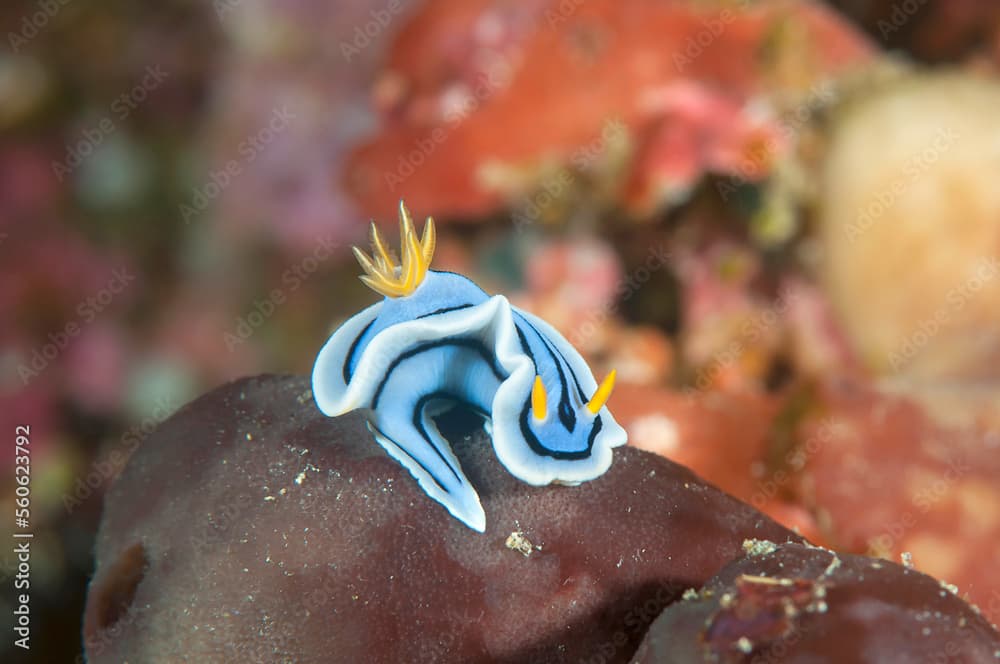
779 220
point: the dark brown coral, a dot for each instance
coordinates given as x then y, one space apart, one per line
796 603
249 527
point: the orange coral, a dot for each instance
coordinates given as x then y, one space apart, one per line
473 84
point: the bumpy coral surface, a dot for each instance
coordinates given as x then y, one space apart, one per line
796 603
475 95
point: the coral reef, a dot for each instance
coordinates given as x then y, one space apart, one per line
477 99
779 226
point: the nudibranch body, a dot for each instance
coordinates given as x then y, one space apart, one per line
437 339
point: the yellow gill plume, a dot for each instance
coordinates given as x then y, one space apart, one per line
382 274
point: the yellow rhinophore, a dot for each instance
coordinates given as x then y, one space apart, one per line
382 274
603 392
539 407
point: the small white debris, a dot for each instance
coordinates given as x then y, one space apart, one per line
834 564
516 541
756 547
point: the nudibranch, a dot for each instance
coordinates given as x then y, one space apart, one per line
436 340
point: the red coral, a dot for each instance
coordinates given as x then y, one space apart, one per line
889 478
469 85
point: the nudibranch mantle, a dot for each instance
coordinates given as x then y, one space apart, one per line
437 339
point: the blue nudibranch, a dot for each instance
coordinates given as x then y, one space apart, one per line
437 339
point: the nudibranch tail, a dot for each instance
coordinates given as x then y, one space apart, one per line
382 274
426 454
